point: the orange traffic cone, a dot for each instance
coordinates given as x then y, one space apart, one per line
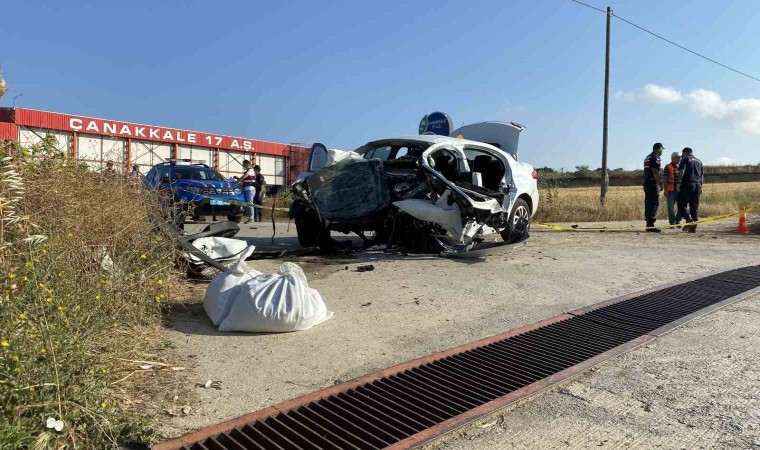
742 228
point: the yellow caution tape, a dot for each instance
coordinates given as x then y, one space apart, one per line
555 227
239 203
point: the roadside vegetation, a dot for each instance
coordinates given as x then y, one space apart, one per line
85 267
584 176
560 204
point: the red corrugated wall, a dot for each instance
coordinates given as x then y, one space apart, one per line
8 131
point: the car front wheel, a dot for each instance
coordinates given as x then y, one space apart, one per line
308 228
518 227
236 219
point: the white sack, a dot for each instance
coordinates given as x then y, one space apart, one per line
275 303
226 286
218 248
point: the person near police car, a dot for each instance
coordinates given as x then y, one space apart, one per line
671 181
260 184
652 186
691 173
248 183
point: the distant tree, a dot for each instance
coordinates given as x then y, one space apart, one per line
619 169
580 170
598 169
545 169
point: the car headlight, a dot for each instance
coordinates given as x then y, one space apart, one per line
238 191
192 190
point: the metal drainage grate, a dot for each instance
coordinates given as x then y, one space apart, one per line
386 410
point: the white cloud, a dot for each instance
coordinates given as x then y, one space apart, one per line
625 96
743 114
661 94
724 161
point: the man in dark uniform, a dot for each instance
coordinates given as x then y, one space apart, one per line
691 173
261 185
652 186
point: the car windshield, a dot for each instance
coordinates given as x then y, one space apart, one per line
392 149
196 173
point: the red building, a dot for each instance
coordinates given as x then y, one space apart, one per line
96 141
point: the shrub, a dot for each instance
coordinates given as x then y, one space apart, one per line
85 264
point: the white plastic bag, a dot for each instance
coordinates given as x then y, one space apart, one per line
276 303
225 287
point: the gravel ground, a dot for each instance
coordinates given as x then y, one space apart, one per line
410 306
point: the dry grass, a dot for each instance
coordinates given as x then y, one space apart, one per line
72 324
627 203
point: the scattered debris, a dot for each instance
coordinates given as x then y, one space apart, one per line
54 424
365 268
366 304
187 409
210 384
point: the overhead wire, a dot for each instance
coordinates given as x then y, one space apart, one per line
669 41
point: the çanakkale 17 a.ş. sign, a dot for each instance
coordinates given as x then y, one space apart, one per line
157 133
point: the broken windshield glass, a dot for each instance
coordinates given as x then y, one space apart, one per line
350 189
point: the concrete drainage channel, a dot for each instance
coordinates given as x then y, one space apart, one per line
415 402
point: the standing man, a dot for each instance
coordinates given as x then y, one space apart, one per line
652 186
260 184
248 182
671 181
691 173
109 171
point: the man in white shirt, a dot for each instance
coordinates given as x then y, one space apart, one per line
248 182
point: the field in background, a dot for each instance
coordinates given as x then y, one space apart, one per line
627 202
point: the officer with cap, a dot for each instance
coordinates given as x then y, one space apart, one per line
692 176
652 186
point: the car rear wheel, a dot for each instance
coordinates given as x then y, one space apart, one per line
236 219
518 227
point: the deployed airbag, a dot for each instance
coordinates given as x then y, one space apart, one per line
350 189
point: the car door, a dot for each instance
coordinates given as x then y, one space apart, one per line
496 173
148 180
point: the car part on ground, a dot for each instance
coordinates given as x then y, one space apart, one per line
200 264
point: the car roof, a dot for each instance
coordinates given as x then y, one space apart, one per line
436 139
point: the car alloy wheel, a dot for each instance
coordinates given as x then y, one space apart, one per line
521 218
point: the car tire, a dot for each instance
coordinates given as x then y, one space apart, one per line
236 219
309 229
518 227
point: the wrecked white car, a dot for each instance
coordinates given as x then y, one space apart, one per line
426 193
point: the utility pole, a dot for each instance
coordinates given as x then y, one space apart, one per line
605 179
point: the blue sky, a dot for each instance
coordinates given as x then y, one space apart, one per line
346 72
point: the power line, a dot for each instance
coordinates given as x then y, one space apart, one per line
589 6
671 42
684 48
